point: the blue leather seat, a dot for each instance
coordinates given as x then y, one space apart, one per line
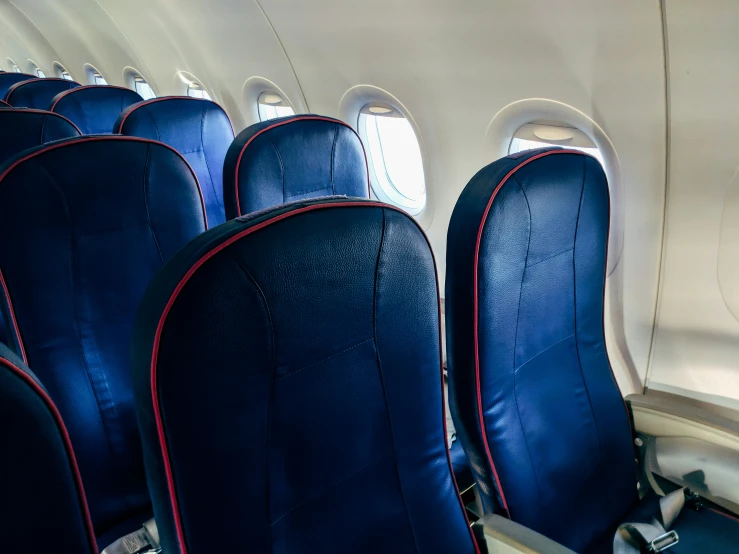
37 93
293 158
532 393
92 219
8 79
43 506
293 357
94 108
4 104
198 129
25 128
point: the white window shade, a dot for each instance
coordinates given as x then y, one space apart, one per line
540 135
196 90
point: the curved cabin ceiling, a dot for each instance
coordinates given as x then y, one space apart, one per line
453 66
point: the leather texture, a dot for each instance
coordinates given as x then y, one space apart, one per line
299 350
293 158
43 506
8 79
94 108
532 393
38 93
198 129
26 128
92 219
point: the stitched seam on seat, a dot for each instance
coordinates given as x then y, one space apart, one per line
279 377
515 341
282 169
545 350
273 373
382 379
333 485
574 296
303 193
333 151
550 257
153 121
219 202
43 126
146 203
94 390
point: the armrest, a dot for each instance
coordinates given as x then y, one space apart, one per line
690 443
666 415
503 536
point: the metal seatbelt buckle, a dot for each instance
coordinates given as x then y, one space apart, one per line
663 542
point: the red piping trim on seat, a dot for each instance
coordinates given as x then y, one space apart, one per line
128 111
104 138
61 95
476 313
293 120
12 317
4 103
25 377
173 297
725 514
20 84
11 109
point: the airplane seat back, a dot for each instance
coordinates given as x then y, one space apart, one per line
25 128
94 108
535 401
293 158
44 507
8 79
4 104
92 219
197 128
293 357
37 93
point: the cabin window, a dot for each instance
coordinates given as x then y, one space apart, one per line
272 106
40 73
196 90
14 66
98 79
396 164
61 72
541 135
143 88
36 69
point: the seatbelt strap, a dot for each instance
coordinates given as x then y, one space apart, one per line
648 538
141 541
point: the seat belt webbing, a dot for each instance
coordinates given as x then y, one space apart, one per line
643 538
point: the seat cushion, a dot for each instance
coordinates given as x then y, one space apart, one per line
37 93
533 396
198 129
43 506
299 350
92 220
8 79
95 108
293 158
27 128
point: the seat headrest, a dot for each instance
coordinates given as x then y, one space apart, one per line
304 341
197 128
293 158
8 79
44 507
25 128
37 93
534 400
101 214
94 108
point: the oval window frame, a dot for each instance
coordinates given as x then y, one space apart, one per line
253 89
350 107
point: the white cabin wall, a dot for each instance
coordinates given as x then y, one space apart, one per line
696 349
453 65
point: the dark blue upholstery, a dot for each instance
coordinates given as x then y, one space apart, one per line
296 365
8 79
4 104
550 439
293 158
461 466
89 221
198 129
94 108
24 128
43 506
37 93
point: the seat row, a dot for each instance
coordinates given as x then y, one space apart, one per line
274 384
